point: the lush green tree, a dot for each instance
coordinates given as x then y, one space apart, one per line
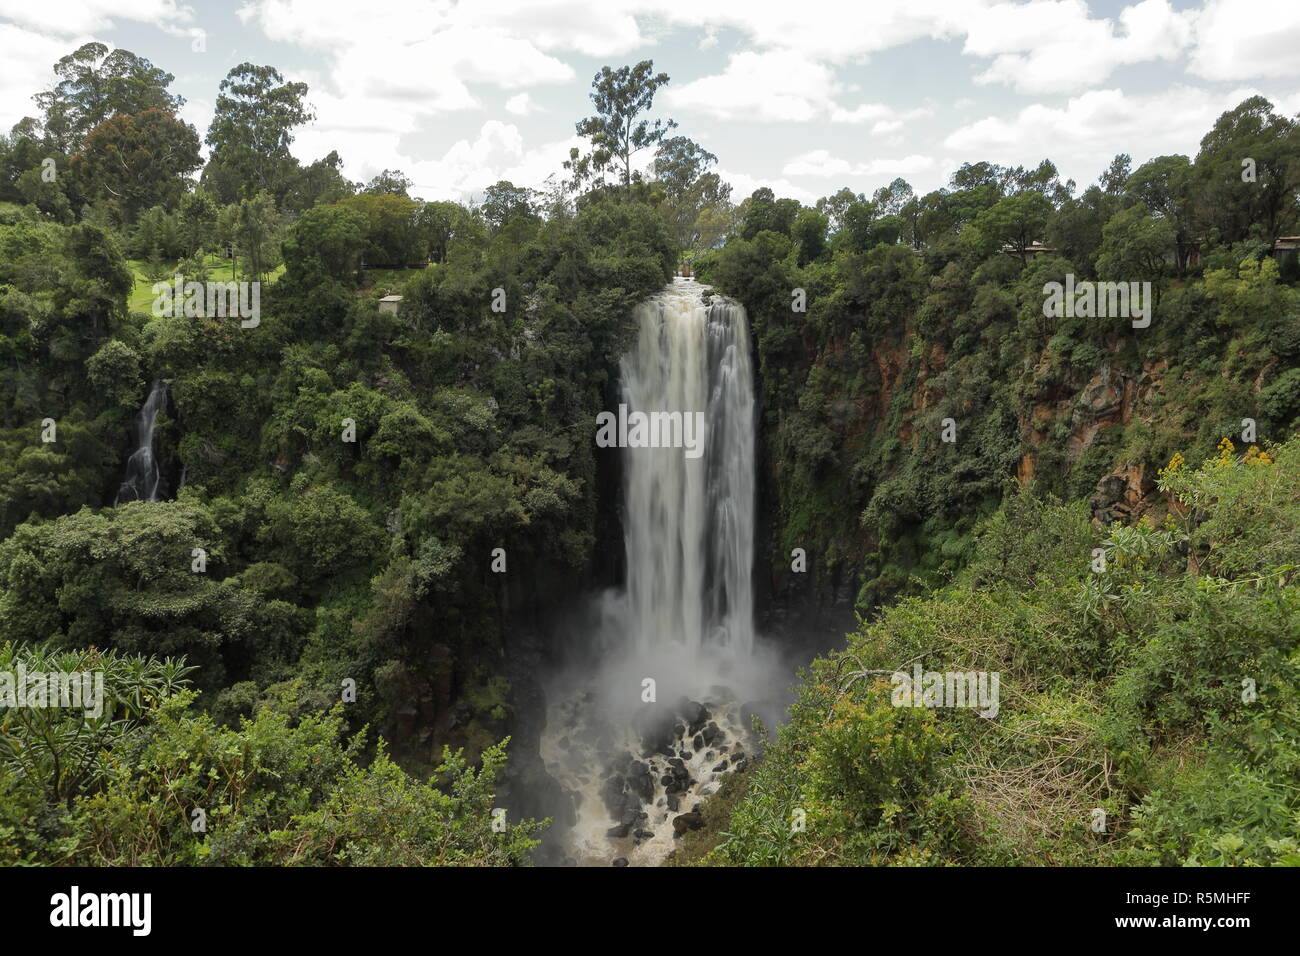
254 228
133 161
393 237
1248 172
504 201
1134 246
252 127
809 230
390 181
1165 186
1016 221
94 85
682 168
443 223
321 182
620 129
326 242
763 211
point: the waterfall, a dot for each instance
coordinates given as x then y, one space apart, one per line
644 733
143 480
689 522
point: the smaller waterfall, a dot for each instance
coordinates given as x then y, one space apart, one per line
143 480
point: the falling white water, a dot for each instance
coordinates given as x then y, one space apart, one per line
689 522
143 479
639 767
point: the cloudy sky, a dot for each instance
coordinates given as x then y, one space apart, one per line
804 96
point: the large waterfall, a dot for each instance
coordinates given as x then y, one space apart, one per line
646 734
689 521
143 480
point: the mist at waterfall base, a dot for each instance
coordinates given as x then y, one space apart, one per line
637 771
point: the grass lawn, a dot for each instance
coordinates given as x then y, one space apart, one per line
141 297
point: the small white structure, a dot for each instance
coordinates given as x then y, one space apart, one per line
389 303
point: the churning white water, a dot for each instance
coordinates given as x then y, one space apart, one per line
650 732
143 480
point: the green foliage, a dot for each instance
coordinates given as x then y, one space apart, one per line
1161 691
60 748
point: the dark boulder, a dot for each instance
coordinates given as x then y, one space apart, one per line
687 821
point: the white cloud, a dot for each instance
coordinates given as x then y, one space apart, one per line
780 86
1055 46
773 86
521 104
1243 39
826 30
822 164
744 184
74 17
497 153
1082 136
25 69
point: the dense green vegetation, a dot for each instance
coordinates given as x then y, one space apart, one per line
305 643
1158 697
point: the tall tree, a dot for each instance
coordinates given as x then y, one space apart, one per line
504 201
1017 221
136 160
256 114
321 182
619 130
95 84
1165 185
390 181
834 206
682 168
1248 171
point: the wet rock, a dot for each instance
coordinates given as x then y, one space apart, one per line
698 742
694 713
711 733
687 821
621 861
674 802
719 768
654 725
611 794
632 811
618 832
640 782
